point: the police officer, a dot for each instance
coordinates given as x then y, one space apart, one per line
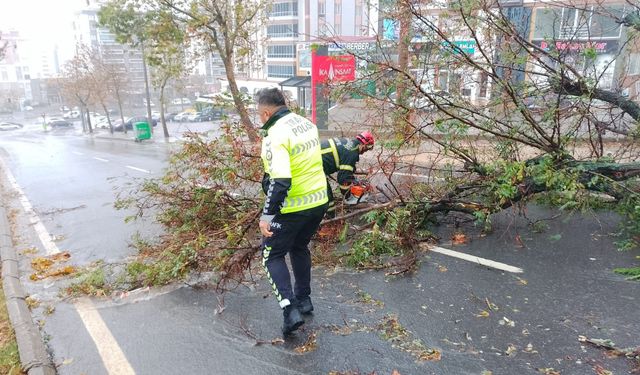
341 155
296 201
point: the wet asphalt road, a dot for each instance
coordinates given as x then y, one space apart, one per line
567 289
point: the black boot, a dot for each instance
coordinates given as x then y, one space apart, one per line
292 319
304 305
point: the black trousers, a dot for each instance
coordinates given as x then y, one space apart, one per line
291 235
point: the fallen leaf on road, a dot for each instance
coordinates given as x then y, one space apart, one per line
549 371
459 239
29 251
309 346
507 322
519 242
483 314
511 349
64 271
529 349
486 372
41 264
32 302
277 341
67 361
602 371
442 269
521 281
60 257
555 237
492 306
395 372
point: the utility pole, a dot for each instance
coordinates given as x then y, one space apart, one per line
146 87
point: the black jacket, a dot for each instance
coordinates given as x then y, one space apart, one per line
340 155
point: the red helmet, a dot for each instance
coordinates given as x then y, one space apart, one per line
366 138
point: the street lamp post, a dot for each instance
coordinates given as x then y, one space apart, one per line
146 88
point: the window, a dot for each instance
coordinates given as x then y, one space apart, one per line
281 51
322 9
606 26
545 24
284 9
5 75
571 23
283 31
19 73
280 71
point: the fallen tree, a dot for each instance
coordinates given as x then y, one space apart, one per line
528 138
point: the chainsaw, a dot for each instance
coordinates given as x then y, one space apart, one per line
358 193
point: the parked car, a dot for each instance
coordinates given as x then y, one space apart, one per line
200 117
213 112
4 126
60 123
170 116
192 117
129 123
182 116
103 124
71 114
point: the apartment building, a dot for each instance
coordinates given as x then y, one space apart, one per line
293 26
569 30
88 33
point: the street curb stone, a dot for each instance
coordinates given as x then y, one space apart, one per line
33 355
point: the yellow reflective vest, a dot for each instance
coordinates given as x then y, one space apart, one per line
291 150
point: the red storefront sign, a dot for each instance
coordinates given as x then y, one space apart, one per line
326 69
333 68
600 46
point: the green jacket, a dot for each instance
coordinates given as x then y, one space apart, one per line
293 164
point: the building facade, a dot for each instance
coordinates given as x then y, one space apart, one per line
293 26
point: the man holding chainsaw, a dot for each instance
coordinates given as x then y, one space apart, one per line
341 155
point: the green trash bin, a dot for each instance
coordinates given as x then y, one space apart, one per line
143 131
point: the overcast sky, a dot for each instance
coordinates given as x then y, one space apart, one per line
44 22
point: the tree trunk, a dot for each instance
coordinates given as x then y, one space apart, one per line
106 112
237 99
119 98
82 119
403 67
88 120
164 123
579 88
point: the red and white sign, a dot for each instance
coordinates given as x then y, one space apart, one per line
333 68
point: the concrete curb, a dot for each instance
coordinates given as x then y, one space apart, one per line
33 355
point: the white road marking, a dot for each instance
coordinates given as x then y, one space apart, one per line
475 259
112 356
50 247
100 159
77 153
138 169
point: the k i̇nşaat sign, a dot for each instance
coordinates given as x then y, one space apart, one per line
333 68
600 46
